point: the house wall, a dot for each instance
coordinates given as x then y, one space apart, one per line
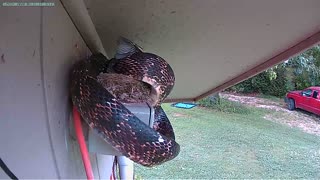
38 46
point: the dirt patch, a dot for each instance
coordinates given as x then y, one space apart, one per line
305 121
179 115
295 119
256 101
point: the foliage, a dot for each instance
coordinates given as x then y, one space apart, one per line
210 101
298 72
224 105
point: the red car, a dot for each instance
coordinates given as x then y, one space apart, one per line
307 99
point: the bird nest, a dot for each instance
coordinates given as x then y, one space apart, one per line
126 89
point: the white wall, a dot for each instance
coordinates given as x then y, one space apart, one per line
37 49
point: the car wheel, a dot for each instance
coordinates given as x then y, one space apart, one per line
291 104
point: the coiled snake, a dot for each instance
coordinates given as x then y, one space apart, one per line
108 117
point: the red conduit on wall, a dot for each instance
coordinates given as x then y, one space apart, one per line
82 144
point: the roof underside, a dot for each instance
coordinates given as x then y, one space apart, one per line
210 44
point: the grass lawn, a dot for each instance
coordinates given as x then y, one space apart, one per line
216 144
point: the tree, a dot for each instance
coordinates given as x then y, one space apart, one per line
298 72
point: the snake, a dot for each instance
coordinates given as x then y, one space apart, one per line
107 115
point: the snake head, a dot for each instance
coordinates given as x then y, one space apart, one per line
126 48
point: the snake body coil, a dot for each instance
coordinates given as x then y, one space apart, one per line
109 118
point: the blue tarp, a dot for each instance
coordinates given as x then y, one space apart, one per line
184 105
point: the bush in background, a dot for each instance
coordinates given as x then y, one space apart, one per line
224 105
296 73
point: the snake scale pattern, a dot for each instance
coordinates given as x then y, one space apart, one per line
111 120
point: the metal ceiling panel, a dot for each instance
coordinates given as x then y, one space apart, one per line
211 44
207 42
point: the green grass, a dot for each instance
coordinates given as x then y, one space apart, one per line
216 144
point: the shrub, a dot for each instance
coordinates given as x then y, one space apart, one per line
224 105
210 101
271 82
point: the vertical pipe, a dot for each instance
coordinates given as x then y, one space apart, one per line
125 167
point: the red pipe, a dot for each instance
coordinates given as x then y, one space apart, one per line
82 144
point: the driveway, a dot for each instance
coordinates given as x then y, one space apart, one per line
303 120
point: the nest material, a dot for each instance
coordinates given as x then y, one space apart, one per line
125 88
